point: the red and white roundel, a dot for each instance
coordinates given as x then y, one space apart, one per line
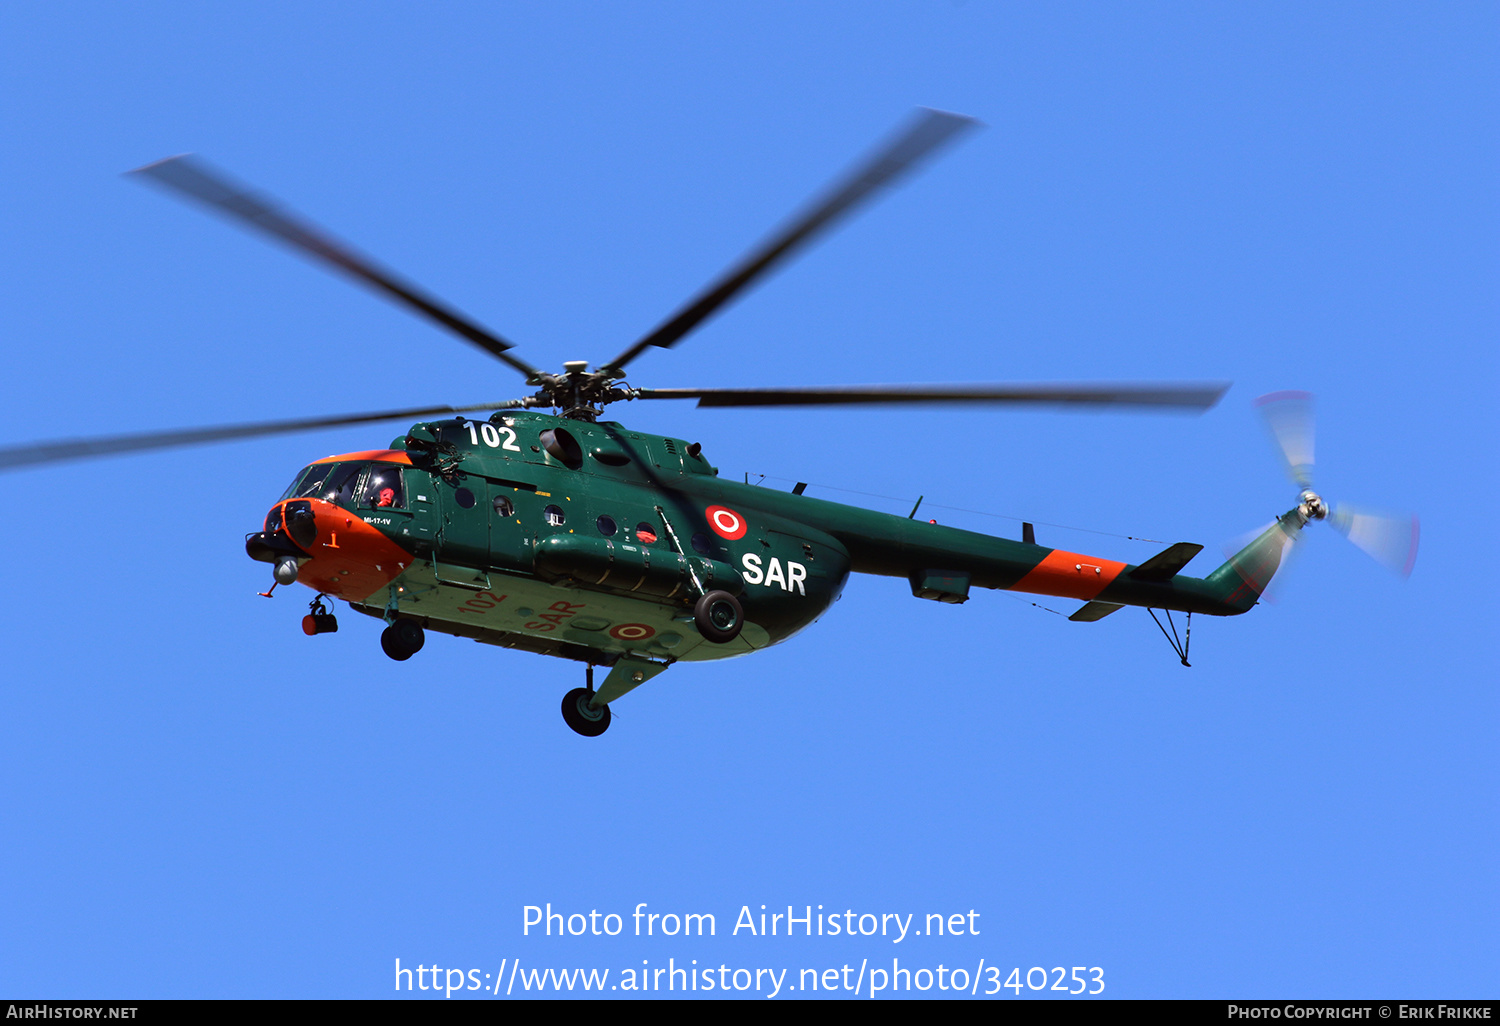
631 632
726 522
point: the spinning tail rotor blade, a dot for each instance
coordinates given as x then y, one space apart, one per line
1390 540
36 453
929 130
1289 416
193 177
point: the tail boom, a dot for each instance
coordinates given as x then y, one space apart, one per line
1231 589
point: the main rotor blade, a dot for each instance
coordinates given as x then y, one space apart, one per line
193 177
1289 418
929 130
1189 396
1388 539
34 453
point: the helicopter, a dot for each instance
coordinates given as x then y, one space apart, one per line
544 528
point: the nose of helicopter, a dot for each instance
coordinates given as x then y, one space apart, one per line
334 550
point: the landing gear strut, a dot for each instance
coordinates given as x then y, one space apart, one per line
588 720
402 639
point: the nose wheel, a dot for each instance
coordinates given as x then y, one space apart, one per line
588 720
585 719
402 639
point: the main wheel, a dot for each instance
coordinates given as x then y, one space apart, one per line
719 617
402 639
588 720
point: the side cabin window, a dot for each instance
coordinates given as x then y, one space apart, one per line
383 488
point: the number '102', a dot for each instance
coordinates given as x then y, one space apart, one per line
491 436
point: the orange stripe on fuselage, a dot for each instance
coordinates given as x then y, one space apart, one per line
1069 575
386 455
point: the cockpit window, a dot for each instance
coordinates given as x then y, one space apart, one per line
291 489
383 488
338 487
310 481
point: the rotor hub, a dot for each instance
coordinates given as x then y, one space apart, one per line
577 393
1311 506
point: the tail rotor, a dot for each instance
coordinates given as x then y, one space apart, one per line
1389 539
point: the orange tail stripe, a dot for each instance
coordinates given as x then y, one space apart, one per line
1070 575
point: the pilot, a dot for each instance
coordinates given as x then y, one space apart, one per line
386 497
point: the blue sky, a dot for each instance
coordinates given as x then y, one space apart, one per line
199 800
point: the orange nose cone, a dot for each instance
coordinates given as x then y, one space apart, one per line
350 558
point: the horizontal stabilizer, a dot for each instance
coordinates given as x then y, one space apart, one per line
1096 611
1167 563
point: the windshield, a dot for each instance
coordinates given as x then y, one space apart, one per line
340 483
331 482
308 483
338 486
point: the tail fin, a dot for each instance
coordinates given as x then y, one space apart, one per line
1241 580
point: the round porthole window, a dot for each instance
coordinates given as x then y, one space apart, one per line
701 544
607 526
554 516
645 533
464 498
503 506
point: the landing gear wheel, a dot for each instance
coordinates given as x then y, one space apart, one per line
719 617
588 720
402 639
